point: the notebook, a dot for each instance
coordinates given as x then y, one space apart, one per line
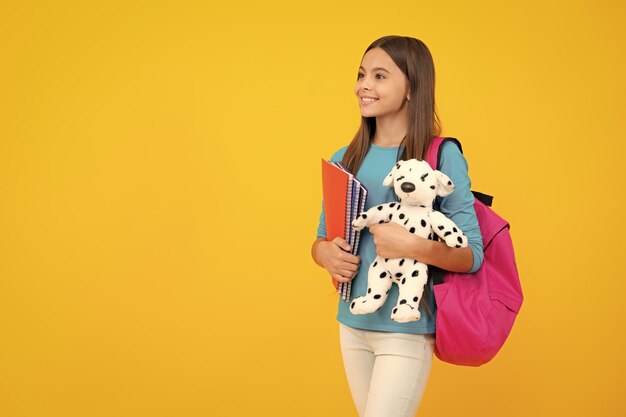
344 198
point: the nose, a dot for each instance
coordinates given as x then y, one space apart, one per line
407 187
365 82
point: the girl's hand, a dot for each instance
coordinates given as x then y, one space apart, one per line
340 264
394 241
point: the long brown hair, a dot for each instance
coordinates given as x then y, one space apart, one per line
414 59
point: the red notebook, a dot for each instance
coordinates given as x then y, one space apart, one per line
335 183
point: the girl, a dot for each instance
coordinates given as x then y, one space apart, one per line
387 363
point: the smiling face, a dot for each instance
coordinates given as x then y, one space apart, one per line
382 89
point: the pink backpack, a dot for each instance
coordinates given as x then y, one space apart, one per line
475 312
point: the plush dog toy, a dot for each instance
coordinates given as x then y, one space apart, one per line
417 185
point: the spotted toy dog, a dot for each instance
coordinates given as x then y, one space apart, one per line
417 185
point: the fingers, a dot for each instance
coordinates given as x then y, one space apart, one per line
342 265
347 269
346 255
344 276
341 278
345 272
344 268
349 258
342 243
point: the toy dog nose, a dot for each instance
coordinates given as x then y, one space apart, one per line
407 187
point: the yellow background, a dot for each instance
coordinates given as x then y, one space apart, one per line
160 190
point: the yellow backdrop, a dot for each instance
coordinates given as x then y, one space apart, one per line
160 190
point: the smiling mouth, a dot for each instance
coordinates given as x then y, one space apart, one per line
367 100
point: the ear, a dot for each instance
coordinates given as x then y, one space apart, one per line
445 186
389 178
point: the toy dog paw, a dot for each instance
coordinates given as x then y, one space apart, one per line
360 222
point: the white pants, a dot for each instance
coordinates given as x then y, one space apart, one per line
387 372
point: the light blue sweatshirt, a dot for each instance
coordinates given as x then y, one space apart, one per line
458 206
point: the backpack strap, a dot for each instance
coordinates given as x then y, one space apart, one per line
433 157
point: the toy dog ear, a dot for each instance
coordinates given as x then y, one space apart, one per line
389 178
445 186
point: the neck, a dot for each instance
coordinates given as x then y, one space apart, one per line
391 129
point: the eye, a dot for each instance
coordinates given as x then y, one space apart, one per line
378 76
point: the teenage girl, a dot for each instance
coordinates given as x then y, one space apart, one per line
387 363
